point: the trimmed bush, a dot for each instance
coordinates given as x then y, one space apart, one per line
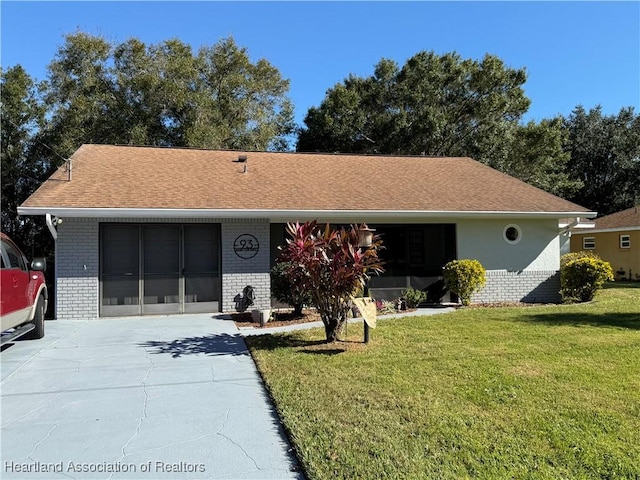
582 277
413 297
569 257
283 290
464 278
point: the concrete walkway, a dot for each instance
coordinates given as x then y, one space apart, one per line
175 397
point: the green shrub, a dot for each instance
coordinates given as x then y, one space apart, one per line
464 278
413 297
569 257
580 278
283 290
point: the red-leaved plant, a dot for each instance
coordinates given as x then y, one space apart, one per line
331 266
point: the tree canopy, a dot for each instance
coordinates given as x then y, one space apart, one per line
444 105
22 113
164 95
605 157
433 105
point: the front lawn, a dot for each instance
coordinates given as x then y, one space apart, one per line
519 392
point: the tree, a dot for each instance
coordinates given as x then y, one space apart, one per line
22 113
330 266
444 106
536 155
164 95
433 105
605 156
80 96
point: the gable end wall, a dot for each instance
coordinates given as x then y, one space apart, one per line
527 271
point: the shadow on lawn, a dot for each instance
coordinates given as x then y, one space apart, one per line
324 351
272 342
313 347
620 320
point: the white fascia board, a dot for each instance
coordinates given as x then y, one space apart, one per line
611 230
577 226
287 215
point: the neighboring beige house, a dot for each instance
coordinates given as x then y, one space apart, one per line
616 239
144 230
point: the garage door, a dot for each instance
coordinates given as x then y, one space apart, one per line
159 268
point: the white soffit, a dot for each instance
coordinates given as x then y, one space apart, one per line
353 215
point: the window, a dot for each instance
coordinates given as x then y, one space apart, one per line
588 243
13 257
625 241
512 234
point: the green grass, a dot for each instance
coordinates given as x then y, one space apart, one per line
530 392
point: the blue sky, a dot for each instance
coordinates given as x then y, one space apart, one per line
575 52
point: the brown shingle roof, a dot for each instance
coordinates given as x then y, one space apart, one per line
147 177
628 218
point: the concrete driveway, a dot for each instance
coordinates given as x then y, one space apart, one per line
174 397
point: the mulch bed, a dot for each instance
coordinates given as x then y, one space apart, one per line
505 304
280 318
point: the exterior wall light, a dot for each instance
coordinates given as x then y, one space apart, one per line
365 236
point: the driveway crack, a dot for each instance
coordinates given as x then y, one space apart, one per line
144 409
218 432
40 443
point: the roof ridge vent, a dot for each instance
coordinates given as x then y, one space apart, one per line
241 159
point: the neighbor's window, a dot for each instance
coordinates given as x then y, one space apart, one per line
625 241
512 234
588 243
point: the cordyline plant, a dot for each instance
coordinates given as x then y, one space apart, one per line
331 266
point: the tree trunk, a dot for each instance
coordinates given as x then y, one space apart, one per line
331 333
297 310
332 326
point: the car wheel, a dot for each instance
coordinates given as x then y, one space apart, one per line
38 321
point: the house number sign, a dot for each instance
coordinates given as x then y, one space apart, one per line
246 246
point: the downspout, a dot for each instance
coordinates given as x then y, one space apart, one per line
567 230
52 229
54 234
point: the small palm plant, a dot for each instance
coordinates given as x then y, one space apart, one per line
329 265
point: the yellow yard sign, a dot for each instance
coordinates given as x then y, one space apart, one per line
367 307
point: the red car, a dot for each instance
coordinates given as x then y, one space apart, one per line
23 293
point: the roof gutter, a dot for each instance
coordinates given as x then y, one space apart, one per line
360 215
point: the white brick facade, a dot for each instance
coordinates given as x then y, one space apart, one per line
238 272
531 286
77 269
